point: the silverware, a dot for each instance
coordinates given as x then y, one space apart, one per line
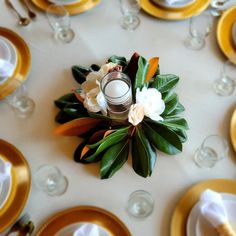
20 225
22 20
31 14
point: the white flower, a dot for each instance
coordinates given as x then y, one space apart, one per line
152 102
136 114
94 100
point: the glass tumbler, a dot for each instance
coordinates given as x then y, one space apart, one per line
140 204
225 85
130 9
213 149
199 28
49 179
59 20
22 105
116 88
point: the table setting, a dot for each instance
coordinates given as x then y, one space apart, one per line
117 117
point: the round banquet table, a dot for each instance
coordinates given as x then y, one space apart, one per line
98 36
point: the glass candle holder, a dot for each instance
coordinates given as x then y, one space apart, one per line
116 88
212 149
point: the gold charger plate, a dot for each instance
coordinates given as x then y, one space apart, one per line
23 63
224 34
174 14
73 8
191 197
21 184
233 130
89 214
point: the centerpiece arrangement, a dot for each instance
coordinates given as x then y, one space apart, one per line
122 105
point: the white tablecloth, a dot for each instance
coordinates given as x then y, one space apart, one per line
98 36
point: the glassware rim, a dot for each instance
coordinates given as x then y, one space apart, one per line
50 10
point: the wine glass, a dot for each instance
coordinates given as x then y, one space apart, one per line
59 20
225 85
50 179
212 149
140 204
199 28
22 105
130 9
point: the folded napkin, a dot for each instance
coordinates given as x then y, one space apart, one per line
6 68
87 230
5 170
212 208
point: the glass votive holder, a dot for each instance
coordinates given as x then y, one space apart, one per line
50 180
116 88
140 204
213 149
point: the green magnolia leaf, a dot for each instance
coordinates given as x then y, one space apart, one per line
113 159
181 134
76 110
171 104
143 154
79 73
63 117
165 83
107 142
118 60
163 138
141 73
99 116
95 67
65 100
178 109
175 123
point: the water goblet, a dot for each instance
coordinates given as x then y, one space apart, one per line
21 103
212 149
199 28
59 20
130 9
49 179
140 204
225 85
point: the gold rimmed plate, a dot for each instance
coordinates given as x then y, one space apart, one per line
73 8
193 9
23 63
81 214
233 130
21 183
191 197
225 34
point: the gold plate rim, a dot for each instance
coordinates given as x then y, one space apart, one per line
174 14
73 8
21 185
21 72
107 220
191 197
233 129
224 34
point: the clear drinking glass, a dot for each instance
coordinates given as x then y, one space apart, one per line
215 7
213 149
225 85
49 179
130 10
116 88
22 105
59 20
140 204
199 28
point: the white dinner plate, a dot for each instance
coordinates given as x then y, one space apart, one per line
64 2
12 59
234 33
196 224
180 4
5 189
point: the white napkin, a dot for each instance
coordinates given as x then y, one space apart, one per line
5 170
6 68
212 208
87 230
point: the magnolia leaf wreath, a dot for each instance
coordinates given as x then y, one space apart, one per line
153 121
